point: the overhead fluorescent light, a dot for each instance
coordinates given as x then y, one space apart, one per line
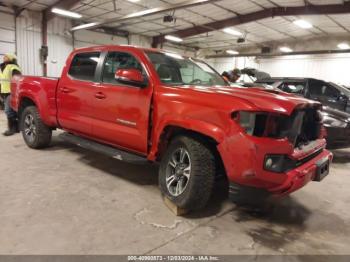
134 1
344 46
65 13
303 24
286 49
232 52
84 26
232 31
173 38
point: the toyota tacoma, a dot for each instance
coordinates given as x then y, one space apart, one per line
138 104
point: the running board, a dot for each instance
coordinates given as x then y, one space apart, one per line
103 149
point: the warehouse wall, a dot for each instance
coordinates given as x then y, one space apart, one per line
24 38
28 40
8 36
225 64
330 67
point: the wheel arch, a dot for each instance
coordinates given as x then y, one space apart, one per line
169 132
23 104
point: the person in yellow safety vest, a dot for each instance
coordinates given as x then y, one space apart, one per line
8 69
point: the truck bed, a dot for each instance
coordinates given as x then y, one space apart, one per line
42 90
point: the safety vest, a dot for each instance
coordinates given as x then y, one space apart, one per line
6 76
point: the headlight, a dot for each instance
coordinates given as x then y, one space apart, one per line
329 121
247 121
261 124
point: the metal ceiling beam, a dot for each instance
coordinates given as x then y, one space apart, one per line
315 52
266 13
153 11
64 4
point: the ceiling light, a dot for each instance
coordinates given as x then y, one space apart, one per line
232 52
84 26
344 46
134 1
303 24
65 13
232 31
173 38
286 49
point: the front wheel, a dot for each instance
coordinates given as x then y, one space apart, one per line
35 133
187 172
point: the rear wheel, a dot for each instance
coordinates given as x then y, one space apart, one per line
186 174
35 133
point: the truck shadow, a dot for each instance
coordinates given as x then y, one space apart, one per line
279 223
139 174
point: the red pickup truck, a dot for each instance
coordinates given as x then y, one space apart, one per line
150 105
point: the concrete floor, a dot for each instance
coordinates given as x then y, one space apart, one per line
65 200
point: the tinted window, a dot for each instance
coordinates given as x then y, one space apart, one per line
293 87
84 66
119 60
331 91
315 87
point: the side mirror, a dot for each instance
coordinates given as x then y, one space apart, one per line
131 77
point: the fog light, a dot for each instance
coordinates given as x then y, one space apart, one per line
268 163
276 163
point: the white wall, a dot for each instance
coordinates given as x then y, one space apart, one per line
60 43
28 37
7 34
329 67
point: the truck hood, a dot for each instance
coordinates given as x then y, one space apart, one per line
269 100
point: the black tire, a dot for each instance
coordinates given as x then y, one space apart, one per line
42 136
200 181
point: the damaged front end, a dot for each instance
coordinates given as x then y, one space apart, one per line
277 152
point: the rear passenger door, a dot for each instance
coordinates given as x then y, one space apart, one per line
121 111
75 93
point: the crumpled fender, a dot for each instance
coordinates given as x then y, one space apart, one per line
200 126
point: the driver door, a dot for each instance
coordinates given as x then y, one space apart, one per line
121 111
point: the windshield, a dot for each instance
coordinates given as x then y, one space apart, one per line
174 69
341 89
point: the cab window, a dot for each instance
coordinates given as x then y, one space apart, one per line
119 60
83 66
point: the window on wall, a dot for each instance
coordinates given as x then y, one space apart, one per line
84 65
119 60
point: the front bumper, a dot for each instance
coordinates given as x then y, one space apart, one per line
300 176
243 157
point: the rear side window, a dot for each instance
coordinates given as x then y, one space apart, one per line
84 65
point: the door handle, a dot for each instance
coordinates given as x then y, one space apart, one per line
100 95
65 90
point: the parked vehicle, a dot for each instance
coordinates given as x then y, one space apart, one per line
149 105
335 100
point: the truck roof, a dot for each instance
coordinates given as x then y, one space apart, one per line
126 47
